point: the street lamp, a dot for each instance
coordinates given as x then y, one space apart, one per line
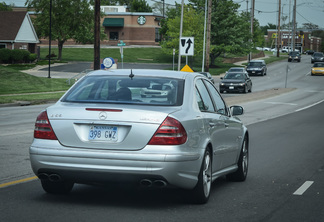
163 6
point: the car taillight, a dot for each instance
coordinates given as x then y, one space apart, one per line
170 132
43 128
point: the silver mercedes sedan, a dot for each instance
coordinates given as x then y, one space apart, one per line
103 130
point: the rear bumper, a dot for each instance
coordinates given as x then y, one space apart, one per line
256 72
176 167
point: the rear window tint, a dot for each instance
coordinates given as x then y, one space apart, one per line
123 89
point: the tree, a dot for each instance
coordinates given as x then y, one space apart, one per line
319 33
5 7
140 6
229 29
310 26
193 26
265 28
70 20
107 2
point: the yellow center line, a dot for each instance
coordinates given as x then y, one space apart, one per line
17 181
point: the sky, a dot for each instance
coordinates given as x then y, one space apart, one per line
266 11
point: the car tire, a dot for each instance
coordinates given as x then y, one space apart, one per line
60 187
245 89
243 163
202 190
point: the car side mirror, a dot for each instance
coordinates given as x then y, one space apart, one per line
221 78
237 110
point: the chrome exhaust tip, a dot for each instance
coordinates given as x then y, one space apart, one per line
54 177
146 183
159 183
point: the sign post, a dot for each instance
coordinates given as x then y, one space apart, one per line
121 44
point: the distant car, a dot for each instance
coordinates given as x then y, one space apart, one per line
235 82
317 57
318 68
102 131
157 90
294 56
284 50
309 52
208 75
236 69
257 67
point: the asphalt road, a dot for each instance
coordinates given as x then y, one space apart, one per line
282 159
286 155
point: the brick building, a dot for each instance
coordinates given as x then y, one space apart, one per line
132 28
17 31
303 39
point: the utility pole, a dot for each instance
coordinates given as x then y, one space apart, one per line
204 44
163 7
180 35
50 42
252 23
278 34
96 63
294 27
208 34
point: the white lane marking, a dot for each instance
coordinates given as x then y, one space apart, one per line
306 107
303 188
279 103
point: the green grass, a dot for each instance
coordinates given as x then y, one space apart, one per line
139 55
16 82
32 98
18 86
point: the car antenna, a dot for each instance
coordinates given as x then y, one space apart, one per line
131 75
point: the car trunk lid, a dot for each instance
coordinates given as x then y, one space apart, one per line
125 127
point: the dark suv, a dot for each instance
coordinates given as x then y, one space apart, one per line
317 57
294 56
257 67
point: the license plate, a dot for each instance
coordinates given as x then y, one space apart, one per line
103 133
253 71
231 87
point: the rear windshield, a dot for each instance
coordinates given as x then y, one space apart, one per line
255 64
123 89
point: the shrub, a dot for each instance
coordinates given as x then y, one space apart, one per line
32 57
19 55
5 55
52 55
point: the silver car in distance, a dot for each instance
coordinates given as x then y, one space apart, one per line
103 130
